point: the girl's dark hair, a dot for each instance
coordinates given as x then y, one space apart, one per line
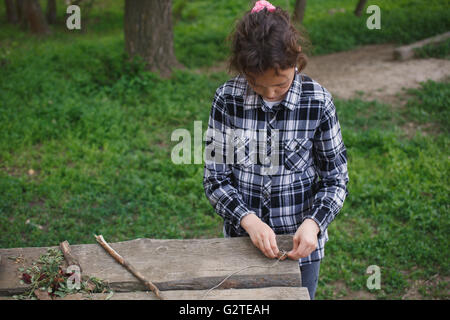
264 40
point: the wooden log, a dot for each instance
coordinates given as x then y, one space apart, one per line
272 293
191 264
407 52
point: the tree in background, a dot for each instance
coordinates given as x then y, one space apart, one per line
11 12
149 35
299 10
28 14
51 11
360 7
31 16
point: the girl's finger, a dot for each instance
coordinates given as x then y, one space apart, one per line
302 250
261 246
293 253
268 248
273 244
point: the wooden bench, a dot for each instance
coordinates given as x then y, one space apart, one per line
181 269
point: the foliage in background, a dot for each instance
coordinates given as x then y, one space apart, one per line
330 24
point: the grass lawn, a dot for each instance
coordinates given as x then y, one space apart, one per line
85 144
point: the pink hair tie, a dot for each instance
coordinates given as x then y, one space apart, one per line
259 5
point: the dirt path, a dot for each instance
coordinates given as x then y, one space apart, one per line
369 72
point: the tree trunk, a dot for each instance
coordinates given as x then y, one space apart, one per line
148 34
299 11
11 12
360 7
19 9
51 11
34 18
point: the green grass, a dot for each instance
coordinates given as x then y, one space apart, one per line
402 22
96 131
396 214
430 105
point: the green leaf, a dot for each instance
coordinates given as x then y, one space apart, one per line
109 295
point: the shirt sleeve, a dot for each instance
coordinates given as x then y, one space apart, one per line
330 157
219 154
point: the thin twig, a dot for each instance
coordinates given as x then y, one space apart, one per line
128 266
281 256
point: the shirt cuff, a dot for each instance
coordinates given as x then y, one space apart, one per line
322 215
233 210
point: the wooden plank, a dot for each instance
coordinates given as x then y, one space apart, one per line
407 52
270 293
190 264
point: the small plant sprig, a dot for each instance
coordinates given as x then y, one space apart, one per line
48 276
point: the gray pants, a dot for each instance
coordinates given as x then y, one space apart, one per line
310 277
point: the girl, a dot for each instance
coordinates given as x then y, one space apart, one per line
298 183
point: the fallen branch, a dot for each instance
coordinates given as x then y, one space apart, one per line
407 52
70 258
128 266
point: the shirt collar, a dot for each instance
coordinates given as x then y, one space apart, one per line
254 100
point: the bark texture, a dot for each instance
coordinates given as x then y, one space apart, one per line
33 17
51 11
11 12
299 10
360 7
149 35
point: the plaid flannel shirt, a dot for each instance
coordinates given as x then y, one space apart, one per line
277 177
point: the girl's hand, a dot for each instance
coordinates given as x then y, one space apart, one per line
305 240
261 235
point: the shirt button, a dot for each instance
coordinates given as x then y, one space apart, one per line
266 194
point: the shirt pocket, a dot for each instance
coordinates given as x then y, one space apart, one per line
244 155
297 153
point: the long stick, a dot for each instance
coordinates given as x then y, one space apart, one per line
128 266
